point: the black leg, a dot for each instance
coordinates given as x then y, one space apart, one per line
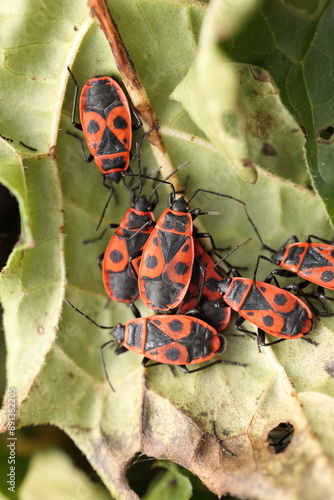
144 226
321 294
86 159
104 363
109 226
308 239
121 350
112 192
89 319
145 362
135 310
99 259
297 289
76 91
201 368
237 325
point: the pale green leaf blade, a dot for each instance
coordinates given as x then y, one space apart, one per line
152 411
169 484
301 68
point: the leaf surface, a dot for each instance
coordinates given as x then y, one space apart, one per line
60 379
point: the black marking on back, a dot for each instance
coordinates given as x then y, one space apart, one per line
175 222
161 291
151 261
100 96
198 342
295 320
175 325
115 256
135 244
119 123
170 244
124 284
110 163
181 268
173 354
110 144
314 259
93 127
280 299
255 301
327 276
293 256
237 292
136 221
135 333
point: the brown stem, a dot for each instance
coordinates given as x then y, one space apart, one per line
133 86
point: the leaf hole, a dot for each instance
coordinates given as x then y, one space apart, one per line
140 473
326 135
280 437
9 223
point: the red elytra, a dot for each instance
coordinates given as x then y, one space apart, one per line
205 296
175 340
311 261
168 257
119 278
107 126
273 310
167 261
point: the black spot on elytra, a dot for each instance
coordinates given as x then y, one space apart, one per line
250 314
155 242
173 354
157 322
116 256
93 127
181 268
151 262
327 276
120 123
175 325
280 299
332 253
185 248
113 163
268 320
262 288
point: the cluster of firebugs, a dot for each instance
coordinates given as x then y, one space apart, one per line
164 262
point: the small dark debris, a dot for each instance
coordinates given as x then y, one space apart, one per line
259 74
247 162
75 28
6 138
329 367
302 128
268 150
280 437
172 482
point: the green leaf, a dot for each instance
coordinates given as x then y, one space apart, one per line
52 471
169 484
54 363
301 68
